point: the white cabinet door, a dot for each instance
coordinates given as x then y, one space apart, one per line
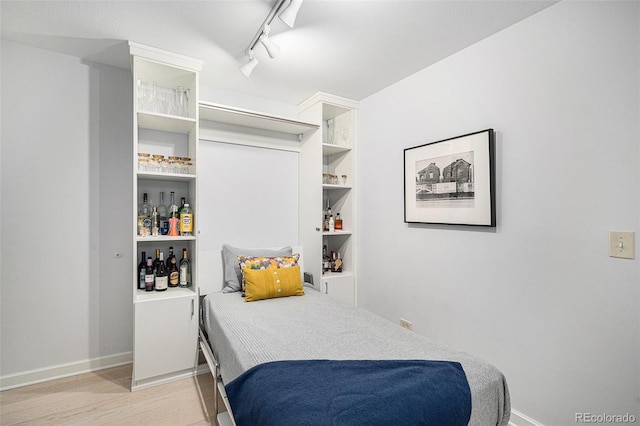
166 333
341 288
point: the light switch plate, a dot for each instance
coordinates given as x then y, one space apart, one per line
622 244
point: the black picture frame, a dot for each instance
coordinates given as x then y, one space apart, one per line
451 181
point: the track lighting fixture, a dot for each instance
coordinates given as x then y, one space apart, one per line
272 48
248 68
288 15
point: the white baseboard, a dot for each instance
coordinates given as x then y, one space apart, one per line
519 419
65 370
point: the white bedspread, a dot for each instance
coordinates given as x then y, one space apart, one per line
314 326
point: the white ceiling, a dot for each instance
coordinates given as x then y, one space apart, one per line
347 48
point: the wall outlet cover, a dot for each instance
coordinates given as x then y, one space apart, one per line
622 244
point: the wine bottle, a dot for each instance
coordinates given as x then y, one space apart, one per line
157 259
142 267
162 279
148 275
162 216
185 270
186 220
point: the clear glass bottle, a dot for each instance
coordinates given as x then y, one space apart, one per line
162 216
144 217
185 270
155 222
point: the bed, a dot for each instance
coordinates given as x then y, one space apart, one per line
311 360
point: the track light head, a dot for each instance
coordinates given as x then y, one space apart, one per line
288 15
272 49
248 68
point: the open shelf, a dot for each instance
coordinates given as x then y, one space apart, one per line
247 118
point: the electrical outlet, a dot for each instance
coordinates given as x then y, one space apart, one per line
406 324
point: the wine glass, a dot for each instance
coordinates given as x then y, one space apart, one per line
344 133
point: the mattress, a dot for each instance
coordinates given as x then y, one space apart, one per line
243 335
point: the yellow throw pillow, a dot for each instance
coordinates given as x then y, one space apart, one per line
272 282
262 262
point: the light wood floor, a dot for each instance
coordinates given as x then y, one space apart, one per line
104 398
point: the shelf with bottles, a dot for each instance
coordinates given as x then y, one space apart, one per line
165 197
176 275
336 258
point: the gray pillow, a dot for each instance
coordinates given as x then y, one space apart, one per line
232 272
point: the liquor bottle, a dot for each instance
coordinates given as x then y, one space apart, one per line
144 217
162 216
173 209
326 261
337 263
162 279
142 267
171 255
332 224
155 222
174 217
172 270
327 217
148 275
338 222
182 202
186 221
185 270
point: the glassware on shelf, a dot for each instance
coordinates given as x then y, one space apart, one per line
344 135
163 100
331 131
343 180
182 102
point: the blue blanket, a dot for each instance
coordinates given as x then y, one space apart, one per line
351 393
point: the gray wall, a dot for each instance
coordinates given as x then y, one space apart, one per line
537 296
66 195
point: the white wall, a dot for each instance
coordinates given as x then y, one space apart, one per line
538 295
66 195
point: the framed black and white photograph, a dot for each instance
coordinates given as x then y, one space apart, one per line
451 181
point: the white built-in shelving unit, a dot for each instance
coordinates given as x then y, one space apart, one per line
165 323
331 151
